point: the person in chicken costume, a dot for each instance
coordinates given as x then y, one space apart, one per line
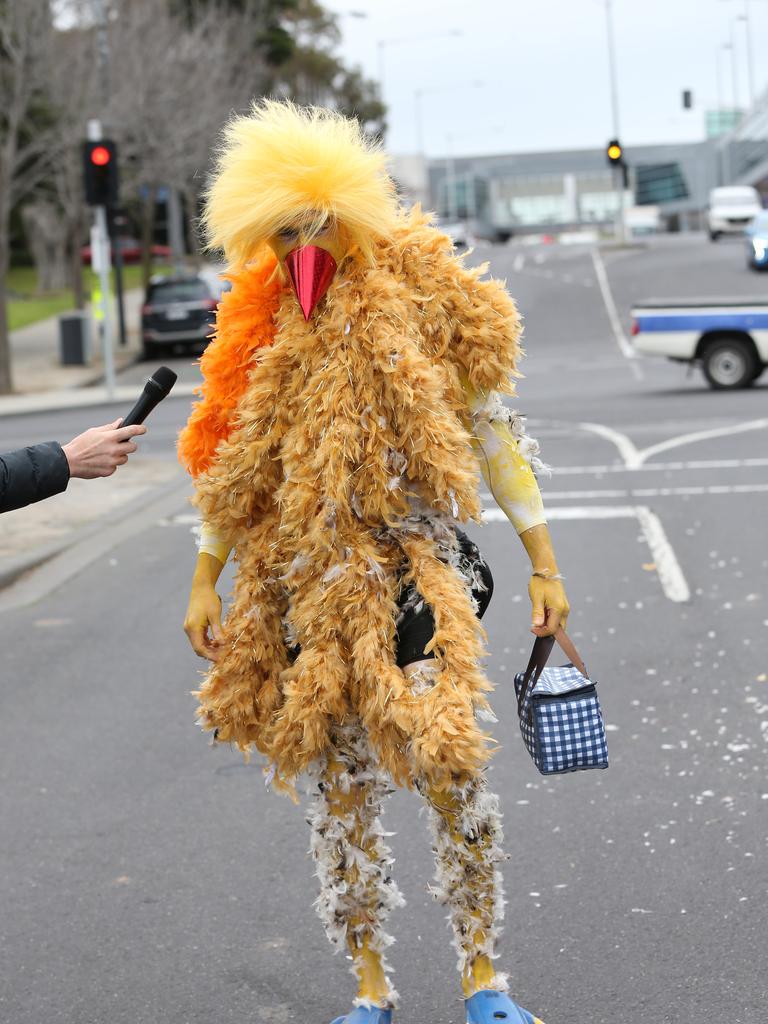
351 397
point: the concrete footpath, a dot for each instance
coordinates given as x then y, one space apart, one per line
44 406
36 360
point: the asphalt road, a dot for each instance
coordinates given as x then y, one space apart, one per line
148 878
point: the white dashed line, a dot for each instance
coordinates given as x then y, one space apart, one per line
661 467
610 307
656 492
670 574
635 457
703 435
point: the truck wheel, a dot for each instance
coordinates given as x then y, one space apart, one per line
714 235
729 363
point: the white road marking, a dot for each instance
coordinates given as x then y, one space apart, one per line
703 435
668 568
95 544
610 307
627 448
656 492
495 515
635 457
671 576
519 262
661 466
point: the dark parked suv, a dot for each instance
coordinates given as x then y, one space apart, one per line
178 311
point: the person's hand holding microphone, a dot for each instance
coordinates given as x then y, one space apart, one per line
100 450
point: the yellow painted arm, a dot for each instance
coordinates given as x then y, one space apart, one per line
211 543
508 458
501 448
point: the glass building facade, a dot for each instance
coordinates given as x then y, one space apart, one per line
568 189
518 192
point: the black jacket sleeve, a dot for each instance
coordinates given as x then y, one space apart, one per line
31 474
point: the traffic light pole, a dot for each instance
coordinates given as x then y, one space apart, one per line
106 314
114 234
621 228
101 263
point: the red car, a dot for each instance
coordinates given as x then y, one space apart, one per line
131 251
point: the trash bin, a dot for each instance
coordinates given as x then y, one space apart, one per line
73 339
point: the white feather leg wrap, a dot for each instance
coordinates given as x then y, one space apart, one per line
467 835
353 861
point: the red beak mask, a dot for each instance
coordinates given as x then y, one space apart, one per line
311 269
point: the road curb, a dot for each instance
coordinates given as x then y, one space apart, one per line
27 578
19 565
19 405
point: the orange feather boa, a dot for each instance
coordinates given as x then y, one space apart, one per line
244 323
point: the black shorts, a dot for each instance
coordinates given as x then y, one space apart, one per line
416 623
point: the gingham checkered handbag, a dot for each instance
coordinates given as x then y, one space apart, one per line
560 717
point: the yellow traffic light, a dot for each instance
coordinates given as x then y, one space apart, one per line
614 152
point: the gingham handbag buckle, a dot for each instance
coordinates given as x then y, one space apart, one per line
560 717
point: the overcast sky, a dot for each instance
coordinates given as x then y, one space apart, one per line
543 68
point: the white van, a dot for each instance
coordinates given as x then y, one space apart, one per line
731 208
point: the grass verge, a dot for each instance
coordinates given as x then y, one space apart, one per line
25 306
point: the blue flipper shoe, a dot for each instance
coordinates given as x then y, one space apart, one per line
487 1007
363 1015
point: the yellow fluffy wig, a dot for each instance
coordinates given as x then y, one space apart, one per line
283 165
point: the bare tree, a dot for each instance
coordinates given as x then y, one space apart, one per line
173 83
46 234
25 129
162 76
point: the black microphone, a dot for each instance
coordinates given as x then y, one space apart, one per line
155 390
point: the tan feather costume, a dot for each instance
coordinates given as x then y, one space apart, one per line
335 453
350 451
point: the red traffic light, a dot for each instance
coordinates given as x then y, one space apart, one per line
100 156
100 172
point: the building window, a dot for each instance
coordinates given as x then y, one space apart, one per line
659 183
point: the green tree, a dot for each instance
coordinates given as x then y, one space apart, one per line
316 74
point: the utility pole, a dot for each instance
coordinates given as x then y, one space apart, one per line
100 233
612 68
101 263
745 17
618 172
450 175
381 44
731 45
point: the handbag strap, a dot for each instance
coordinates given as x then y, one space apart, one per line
542 648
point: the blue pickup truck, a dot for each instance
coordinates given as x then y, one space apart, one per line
728 338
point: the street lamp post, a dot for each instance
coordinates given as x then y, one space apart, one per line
418 95
750 63
450 179
612 67
381 45
746 17
731 48
450 163
618 172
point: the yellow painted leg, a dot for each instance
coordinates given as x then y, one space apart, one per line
479 972
372 980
